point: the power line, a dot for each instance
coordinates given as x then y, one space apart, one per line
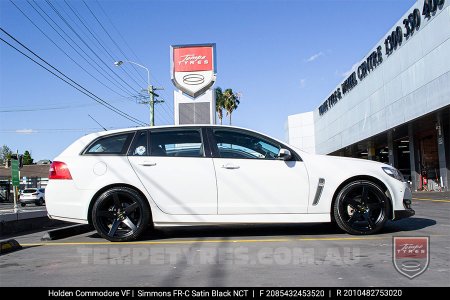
46 130
72 82
96 37
86 44
102 72
65 53
123 39
166 103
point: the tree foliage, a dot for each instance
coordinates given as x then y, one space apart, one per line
27 160
227 100
5 154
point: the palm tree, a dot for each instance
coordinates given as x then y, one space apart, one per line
231 101
219 103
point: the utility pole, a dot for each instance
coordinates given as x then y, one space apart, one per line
152 100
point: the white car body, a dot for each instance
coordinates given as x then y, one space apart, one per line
214 190
32 195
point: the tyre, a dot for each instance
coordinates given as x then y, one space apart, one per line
39 202
120 214
23 204
361 207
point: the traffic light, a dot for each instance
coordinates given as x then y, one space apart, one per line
20 161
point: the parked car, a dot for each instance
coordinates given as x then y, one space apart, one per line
32 195
123 180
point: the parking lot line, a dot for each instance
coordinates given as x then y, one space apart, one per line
432 200
203 241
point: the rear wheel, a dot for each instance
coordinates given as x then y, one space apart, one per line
39 202
120 214
23 204
361 207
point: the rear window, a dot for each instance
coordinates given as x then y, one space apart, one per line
27 191
115 144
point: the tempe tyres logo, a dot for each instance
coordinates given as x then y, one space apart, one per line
411 255
193 68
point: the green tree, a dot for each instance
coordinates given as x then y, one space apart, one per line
5 154
231 102
219 103
27 160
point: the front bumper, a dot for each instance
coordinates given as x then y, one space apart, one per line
407 212
401 214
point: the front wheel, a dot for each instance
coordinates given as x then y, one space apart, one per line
120 214
361 207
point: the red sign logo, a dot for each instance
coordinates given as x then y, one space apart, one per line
191 59
411 255
193 68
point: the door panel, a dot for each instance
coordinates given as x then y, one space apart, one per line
173 168
251 179
178 185
253 186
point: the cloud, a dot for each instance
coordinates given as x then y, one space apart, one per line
25 131
347 73
302 83
315 56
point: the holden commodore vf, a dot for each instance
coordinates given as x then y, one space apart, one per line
124 180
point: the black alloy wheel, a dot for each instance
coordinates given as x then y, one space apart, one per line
120 214
361 207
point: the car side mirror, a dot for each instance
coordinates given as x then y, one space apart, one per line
284 154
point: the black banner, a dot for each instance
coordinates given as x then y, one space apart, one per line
223 293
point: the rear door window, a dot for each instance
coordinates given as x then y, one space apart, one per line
177 143
139 147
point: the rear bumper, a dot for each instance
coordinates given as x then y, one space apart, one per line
29 200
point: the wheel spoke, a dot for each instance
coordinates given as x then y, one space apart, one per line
365 191
106 214
369 220
353 218
114 227
129 209
351 202
372 206
130 224
116 201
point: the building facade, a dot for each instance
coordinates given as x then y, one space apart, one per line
394 107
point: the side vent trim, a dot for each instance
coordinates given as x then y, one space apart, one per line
319 190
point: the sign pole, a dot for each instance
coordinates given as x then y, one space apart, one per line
15 181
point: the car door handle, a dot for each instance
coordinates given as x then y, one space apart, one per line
230 166
148 164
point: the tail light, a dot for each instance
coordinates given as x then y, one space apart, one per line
34 194
59 170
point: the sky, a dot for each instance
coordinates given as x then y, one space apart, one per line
283 57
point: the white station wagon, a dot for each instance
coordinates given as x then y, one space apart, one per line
121 181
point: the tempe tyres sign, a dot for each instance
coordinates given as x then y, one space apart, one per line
193 68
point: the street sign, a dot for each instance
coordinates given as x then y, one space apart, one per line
15 172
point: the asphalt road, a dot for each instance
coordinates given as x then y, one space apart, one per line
6 207
277 255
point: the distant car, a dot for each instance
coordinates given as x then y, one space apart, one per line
121 181
32 195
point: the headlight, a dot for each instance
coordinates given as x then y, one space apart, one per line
394 173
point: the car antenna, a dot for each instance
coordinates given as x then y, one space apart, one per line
97 122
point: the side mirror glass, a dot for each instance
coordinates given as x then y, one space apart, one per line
284 154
